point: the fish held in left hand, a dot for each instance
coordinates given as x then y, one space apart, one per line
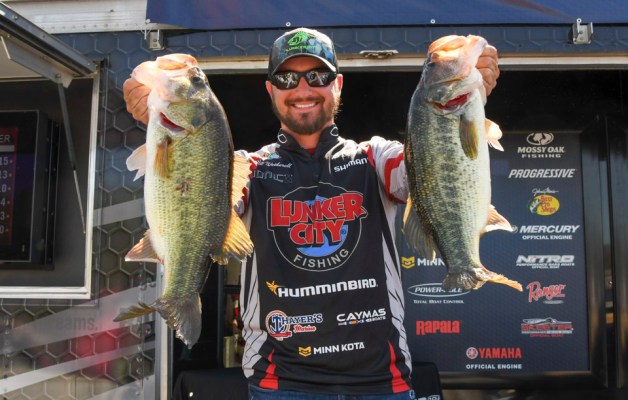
192 179
446 153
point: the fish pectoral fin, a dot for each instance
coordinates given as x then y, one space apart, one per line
161 158
416 233
143 251
241 173
493 134
139 310
137 161
496 221
237 242
469 138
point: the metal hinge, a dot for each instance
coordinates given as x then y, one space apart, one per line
379 54
582 34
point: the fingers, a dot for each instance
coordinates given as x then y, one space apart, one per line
136 97
488 67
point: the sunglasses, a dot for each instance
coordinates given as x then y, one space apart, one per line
285 80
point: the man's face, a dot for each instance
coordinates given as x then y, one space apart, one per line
305 110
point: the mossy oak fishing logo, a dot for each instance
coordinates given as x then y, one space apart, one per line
319 234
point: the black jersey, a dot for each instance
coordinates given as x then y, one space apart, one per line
321 295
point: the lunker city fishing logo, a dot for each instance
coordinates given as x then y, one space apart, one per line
544 202
320 234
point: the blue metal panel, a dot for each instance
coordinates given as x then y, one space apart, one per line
249 14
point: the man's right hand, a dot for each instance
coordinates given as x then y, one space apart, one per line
136 97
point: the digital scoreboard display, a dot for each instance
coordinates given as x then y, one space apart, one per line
28 147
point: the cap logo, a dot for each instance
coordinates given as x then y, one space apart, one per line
298 38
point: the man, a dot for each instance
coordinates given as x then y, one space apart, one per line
322 295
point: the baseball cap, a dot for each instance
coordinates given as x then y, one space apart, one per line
302 42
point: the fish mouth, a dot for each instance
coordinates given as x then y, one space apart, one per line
453 104
167 123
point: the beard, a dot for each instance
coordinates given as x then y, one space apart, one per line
308 124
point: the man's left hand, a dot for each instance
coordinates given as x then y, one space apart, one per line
487 65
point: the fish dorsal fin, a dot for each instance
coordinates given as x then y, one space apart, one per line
237 243
496 221
416 233
137 161
469 138
241 172
143 251
161 158
493 134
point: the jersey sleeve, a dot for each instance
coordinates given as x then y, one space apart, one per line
387 158
253 158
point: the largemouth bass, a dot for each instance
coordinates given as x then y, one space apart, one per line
191 182
447 161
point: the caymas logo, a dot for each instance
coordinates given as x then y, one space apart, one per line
320 234
543 202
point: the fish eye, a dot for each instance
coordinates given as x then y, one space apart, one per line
197 80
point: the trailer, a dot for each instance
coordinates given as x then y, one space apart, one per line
70 210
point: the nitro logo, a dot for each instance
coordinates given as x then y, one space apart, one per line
494 353
279 325
546 327
361 317
546 261
549 293
543 202
319 234
436 327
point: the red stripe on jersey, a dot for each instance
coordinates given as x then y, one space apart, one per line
390 165
369 153
270 381
398 384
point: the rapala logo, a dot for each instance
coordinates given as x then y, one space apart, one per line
546 327
324 231
437 327
434 290
493 353
306 291
361 317
279 325
549 293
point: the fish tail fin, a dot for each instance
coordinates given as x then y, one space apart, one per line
475 278
139 310
237 243
183 315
